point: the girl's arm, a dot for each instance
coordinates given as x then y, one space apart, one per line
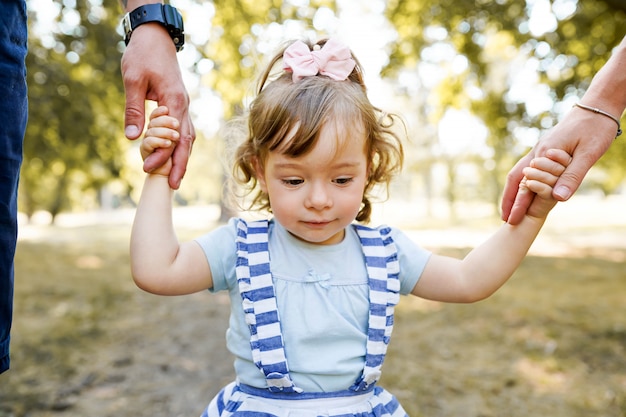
488 266
159 263
485 269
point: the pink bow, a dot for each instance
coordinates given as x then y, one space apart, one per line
333 60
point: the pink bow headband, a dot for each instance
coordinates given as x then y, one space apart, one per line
334 60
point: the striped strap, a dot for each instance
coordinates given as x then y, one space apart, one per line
381 259
259 304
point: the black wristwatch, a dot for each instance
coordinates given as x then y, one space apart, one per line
164 14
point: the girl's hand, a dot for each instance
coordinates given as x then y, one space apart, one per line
161 133
540 177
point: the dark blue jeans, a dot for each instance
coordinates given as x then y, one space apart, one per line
14 112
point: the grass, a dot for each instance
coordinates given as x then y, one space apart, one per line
551 342
69 294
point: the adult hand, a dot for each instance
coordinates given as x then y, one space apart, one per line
150 72
584 135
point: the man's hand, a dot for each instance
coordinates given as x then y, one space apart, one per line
150 72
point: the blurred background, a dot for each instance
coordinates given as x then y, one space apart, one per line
478 82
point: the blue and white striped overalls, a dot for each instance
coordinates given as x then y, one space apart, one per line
266 341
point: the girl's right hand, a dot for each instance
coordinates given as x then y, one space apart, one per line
161 133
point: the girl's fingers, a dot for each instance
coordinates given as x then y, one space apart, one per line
540 188
544 172
162 132
164 121
159 111
555 161
548 165
543 175
160 118
151 143
559 156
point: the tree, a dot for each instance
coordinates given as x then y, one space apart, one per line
73 142
579 47
489 39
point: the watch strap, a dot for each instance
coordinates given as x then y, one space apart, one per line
146 13
164 14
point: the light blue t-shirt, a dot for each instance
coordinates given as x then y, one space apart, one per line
323 301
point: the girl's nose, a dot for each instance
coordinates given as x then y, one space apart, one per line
318 197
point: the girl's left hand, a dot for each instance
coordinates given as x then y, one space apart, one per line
161 133
541 176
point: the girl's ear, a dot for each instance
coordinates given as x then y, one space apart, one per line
260 173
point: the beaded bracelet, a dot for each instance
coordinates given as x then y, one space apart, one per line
602 112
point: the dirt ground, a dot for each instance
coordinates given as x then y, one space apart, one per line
552 342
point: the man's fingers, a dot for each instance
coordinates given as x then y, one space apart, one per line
180 157
157 159
181 154
134 116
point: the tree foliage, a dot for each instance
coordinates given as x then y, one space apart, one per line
239 29
73 142
494 38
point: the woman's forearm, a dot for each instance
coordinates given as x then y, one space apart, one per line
607 90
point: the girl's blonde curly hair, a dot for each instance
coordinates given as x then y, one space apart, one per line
298 111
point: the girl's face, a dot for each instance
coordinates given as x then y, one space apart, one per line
315 196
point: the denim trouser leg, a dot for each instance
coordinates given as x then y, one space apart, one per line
14 111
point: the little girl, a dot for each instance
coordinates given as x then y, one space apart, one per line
312 291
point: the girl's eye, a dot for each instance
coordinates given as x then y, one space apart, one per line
292 182
343 181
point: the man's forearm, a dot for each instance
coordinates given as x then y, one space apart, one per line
130 5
